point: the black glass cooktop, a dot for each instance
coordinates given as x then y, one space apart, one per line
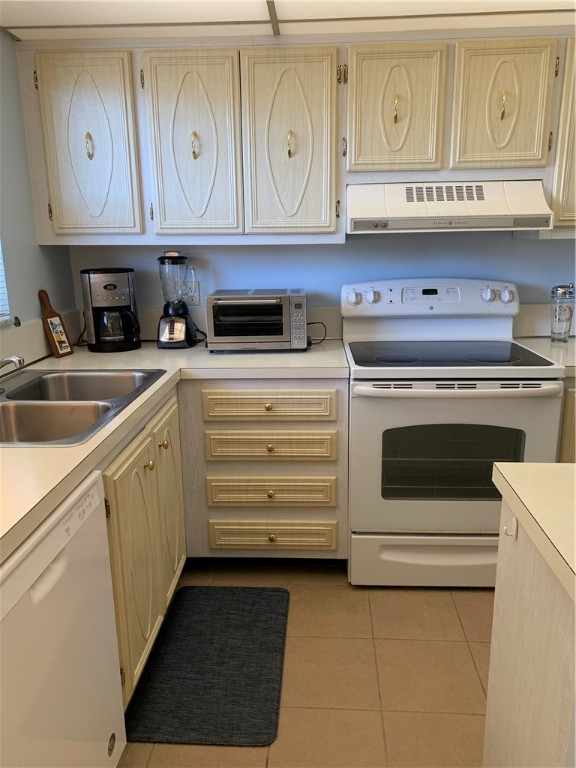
442 354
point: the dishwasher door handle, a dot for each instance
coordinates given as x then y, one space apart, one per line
545 389
48 579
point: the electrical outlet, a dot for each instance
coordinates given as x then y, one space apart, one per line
196 300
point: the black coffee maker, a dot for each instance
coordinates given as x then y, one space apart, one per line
110 309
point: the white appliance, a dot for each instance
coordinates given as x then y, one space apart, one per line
438 392
61 700
447 206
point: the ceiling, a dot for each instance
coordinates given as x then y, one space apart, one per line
73 19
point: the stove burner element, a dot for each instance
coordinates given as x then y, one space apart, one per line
398 359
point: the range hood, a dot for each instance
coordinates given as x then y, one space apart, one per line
447 206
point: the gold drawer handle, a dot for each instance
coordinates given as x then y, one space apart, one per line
272 538
149 465
164 444
267 406
271 494
270 448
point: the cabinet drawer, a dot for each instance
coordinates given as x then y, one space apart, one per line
257 534
271 491
227 445
272 405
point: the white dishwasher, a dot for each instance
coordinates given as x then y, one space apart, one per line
60 695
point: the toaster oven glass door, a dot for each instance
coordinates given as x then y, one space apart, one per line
260 319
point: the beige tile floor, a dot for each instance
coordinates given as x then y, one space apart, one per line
373 677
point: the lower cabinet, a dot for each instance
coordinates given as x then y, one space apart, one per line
146 535
568 434
265 467
530 708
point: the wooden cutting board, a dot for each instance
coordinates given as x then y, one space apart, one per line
54 327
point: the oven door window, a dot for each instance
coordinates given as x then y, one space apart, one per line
446 461
249 320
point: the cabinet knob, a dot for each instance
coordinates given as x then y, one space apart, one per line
164 444
149 465
272 538
267 406
270 448
271 494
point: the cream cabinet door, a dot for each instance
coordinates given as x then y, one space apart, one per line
172 544
288 119
194 109
395 106
131 492
87 119
502 103
564 194
530 701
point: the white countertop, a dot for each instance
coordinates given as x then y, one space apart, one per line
563 353
35 479
543 498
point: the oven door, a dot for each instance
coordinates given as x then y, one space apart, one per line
421 453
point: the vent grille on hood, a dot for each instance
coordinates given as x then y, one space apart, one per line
441 193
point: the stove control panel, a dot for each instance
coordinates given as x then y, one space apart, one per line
440 297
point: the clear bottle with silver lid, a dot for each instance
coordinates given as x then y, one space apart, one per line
561 311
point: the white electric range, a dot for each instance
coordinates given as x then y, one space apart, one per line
438 392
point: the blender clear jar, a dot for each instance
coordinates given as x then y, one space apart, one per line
561 311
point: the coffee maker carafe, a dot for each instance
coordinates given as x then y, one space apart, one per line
176 328
110 309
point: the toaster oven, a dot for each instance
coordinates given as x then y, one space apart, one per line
256 319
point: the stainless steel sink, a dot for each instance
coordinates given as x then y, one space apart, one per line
65 407
81 385
42 422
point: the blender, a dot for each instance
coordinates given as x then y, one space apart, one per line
176 328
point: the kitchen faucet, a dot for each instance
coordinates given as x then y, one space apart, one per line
15 360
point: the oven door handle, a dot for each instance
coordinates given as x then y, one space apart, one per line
246 302
545 389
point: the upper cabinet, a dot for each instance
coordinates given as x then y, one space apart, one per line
288 121
564 195
395 106
194 116
86 109
502 103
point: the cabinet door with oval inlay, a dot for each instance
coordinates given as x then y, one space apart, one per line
395 106
502 103
288 119
87 119
194 111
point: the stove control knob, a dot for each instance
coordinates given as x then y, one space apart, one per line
373 296
354 298
507 296
488 295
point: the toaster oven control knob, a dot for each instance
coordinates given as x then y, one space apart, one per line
373 296
354 298
488 294
507 296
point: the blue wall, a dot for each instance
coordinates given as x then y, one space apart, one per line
534 265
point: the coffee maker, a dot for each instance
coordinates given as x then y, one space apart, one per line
176 328
110 309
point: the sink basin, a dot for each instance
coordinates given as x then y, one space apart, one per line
80 385
41 422
66 407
